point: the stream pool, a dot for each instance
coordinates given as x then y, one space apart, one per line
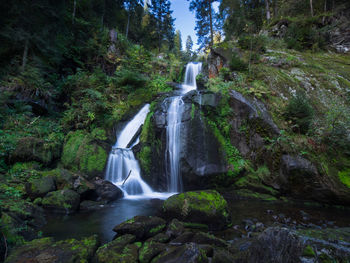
103 220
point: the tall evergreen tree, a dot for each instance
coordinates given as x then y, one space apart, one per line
160 9
178 42
189 45
204 23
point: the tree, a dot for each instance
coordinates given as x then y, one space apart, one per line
268 13
160 9
204 23
189 45
177 42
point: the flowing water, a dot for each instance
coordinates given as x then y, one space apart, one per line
173 131
123 169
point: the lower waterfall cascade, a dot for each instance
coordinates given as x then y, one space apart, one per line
123 168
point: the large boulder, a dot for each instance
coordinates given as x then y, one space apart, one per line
121 249
142 227
106 191
188 253
62 201
85 153
40 187
35 149
46 250
207 207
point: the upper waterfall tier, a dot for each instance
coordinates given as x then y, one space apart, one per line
192 70
129 131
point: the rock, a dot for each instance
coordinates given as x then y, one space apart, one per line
188 253
205 238
175 228
207 207
113 36
150 250
45 250
142 227
62 201
118 250
82 153
40 187
106 191
35 149
222 256
159 238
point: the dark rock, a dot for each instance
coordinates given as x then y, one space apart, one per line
150 250
118 250
175 228
40 187
35 149
142 227
184 238
189 253
62 201
159 238
222 256
106 191
207 207
205 238
46 250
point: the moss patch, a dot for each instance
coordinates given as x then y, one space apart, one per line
344 177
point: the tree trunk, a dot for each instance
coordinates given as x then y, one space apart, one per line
74 10
268 14
25 55
127 25
311 8
211 25
275 8
325 10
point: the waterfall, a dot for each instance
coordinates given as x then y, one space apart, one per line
123 169
173 130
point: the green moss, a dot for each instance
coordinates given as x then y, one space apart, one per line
344 177
309 252
80 153
193 110
144 157
157 229
202 227
255 195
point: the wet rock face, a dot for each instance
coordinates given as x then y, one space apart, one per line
106 191
62 201
200 157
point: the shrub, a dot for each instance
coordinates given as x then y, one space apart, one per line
302 35
254 43
299 112
237 64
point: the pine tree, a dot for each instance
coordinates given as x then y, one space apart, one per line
189 45
177 42
204 23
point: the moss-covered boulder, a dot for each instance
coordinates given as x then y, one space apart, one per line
62 201
150 250
82 152
121 249
35 149
188 253
40 187
142 227
207 207
46 250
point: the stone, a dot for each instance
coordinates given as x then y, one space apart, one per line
62 201
188 253
106 191
35 149
118 250
142 227
40 187
150 250
45 250
207 207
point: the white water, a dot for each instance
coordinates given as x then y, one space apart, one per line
122 161
174 118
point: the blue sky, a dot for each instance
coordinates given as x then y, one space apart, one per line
185 21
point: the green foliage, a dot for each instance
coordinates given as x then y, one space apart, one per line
344 177
299 112
304 34
237 64
130 80
253 43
